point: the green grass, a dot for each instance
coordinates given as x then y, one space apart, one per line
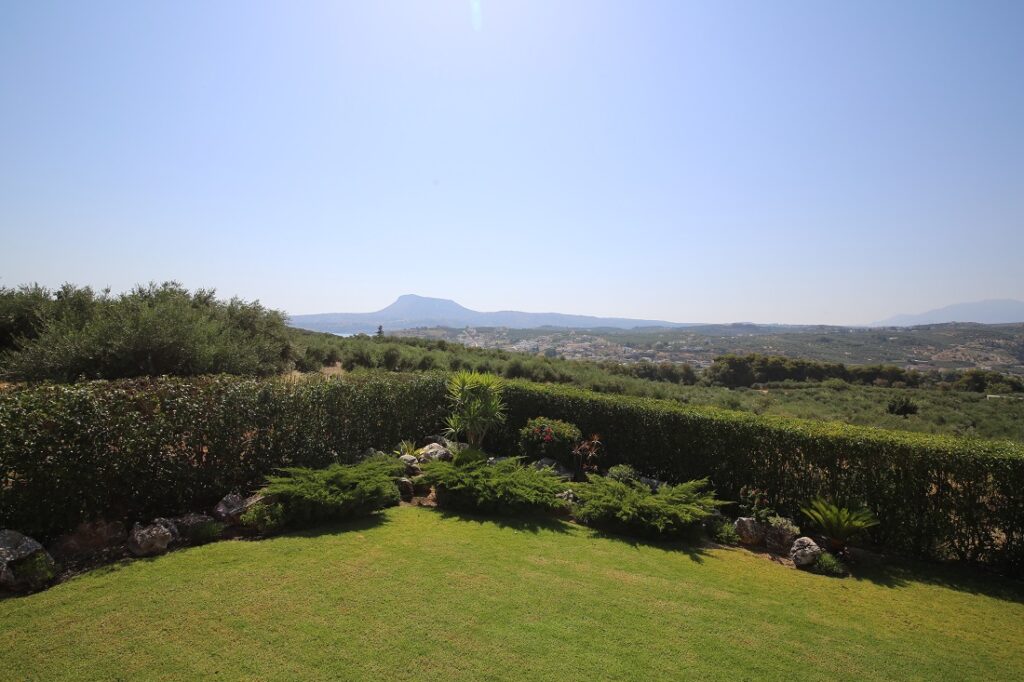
417 594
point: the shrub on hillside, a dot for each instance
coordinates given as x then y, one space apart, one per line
543 437
504 487
341 491
674 511
150 331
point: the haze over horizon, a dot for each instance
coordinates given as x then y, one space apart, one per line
726 162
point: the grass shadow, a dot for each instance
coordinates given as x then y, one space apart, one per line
122 562
533 523
900 572
696 550
333 528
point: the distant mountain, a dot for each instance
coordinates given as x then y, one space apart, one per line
1002 311
410 311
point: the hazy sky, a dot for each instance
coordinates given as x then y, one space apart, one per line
765 161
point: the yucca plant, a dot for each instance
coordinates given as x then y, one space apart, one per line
838 524
476 404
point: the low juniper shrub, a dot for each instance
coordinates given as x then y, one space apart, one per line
339 492
504 487
674 511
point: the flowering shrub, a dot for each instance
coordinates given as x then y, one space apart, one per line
543 437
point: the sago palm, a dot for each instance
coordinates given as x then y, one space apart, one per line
838 524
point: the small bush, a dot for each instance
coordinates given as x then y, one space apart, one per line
623 473
829 564
783 525
543 437
505 487
754 503
902 406
725 533
674 511
266 518
469 455
205 533
339 492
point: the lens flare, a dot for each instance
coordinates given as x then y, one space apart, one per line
477 11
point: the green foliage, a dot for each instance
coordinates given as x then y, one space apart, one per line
783 525
405 447
150 331
266 518
828 564
675 511
725 533
35 571
505 487
902 406
838 524
754 503
623 473
339 492
146 448
470 455
476 405
204 533
543 437
935 496
746 370
158 448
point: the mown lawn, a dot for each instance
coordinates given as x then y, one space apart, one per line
417 594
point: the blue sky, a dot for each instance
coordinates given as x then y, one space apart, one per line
722 161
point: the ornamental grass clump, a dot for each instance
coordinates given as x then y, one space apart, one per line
674 511
503 487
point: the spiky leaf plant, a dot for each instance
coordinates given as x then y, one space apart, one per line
838 524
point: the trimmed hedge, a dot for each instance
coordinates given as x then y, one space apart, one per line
936 497
145 448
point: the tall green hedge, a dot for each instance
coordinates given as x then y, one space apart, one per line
936 496
136 448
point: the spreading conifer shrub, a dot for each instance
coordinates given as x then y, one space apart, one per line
339 492
674 512
504 487
543 437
